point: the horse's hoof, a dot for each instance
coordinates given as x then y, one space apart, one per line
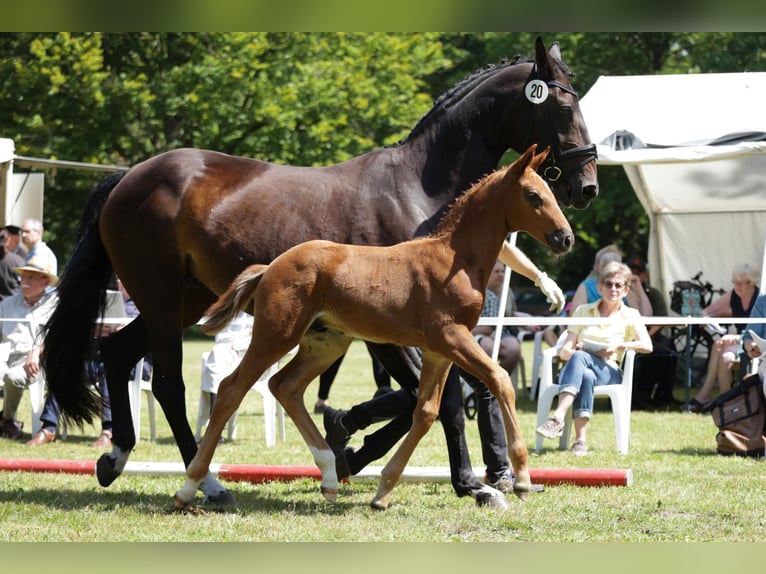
105 471
378 505
492 500
223 498
331 494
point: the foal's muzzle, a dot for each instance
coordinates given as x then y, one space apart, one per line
560 241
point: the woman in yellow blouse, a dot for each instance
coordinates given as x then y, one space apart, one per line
593 353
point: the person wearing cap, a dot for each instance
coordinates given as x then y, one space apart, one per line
14 241
9 279
32 306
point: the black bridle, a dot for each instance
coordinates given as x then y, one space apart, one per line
552 172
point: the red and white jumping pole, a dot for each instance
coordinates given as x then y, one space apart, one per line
270 473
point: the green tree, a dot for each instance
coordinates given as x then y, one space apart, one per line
306 99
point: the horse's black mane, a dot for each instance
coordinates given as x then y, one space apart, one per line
468 84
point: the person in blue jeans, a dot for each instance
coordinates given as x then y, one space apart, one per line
599 365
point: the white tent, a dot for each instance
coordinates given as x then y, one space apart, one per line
694 149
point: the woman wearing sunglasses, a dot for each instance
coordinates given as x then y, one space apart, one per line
593 352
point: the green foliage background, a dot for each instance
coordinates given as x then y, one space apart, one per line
303 98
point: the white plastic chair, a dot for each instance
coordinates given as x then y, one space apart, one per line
273 412
136 387
620 397
36 391
537 360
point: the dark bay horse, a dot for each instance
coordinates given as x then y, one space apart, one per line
180 226
425 292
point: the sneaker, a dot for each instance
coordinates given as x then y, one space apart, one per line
505 483
552 428
579 448
337 436
12 429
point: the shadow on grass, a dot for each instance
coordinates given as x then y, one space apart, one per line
303 499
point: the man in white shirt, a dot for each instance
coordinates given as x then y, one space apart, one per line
32 306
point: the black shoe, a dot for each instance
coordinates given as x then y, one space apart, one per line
337 436
12 429
341 463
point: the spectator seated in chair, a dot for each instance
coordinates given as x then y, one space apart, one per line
593 353
32 305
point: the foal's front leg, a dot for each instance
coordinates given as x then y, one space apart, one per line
228 399
432 380
469 356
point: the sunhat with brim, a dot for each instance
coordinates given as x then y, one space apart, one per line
39 265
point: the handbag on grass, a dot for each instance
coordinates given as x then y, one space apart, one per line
740 415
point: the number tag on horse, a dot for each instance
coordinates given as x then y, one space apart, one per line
536 91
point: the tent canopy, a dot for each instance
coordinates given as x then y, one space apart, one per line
694 149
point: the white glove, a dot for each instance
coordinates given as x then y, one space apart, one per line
551 291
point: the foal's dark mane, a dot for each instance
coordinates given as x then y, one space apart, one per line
457 92
455 212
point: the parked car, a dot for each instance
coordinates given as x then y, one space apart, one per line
531 300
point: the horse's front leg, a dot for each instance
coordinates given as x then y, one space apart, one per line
432 379
469 356
288 387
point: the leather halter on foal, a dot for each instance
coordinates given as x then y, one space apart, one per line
552 172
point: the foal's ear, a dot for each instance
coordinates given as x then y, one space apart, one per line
527 157
538 160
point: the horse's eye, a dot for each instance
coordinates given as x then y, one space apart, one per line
534 199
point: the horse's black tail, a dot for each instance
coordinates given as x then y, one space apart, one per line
82 297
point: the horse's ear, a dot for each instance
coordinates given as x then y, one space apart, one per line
541 58
555 51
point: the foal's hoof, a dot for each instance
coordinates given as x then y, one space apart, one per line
522 490
223 498
492 500
105 471
179 503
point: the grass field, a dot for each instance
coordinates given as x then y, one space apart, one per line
682 490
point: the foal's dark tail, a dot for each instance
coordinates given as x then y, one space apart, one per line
235 299
82 297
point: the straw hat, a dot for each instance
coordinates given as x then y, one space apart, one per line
39 265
